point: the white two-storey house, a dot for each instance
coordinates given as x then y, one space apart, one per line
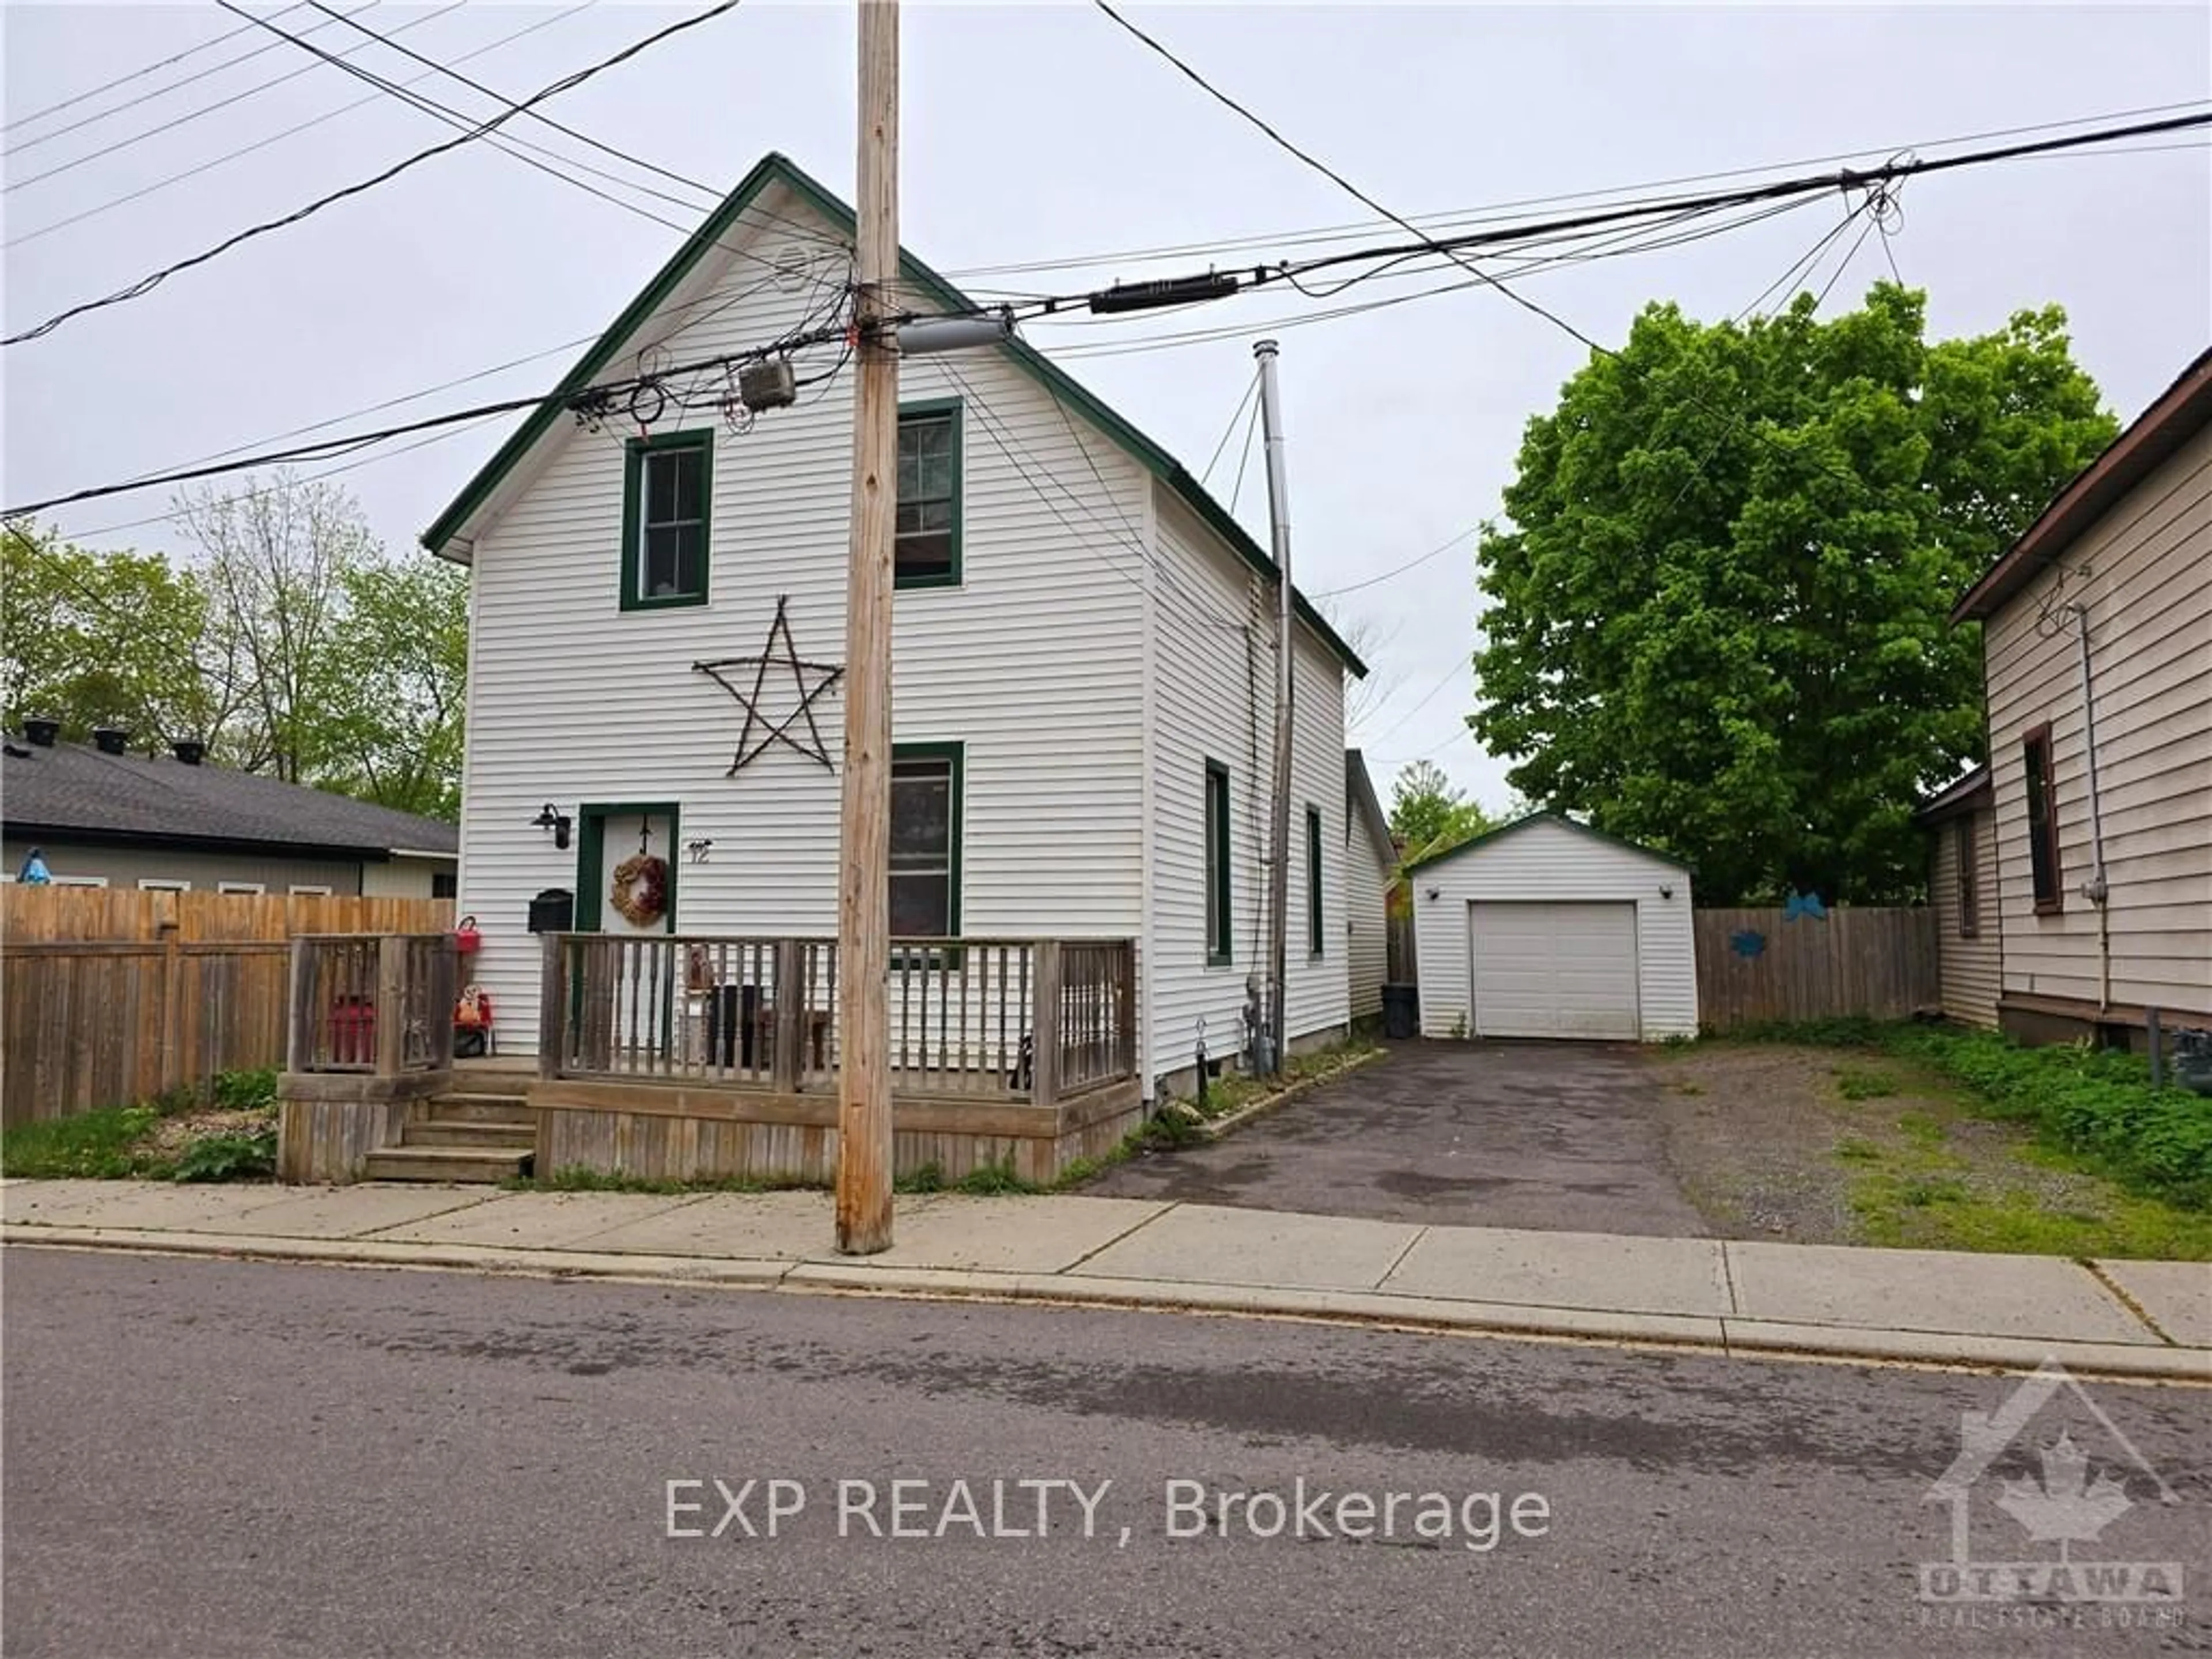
1083 642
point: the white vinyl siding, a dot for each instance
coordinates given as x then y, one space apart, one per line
1366 880
1969 965
1215 678
2149 590
1033 663
1543 859
1555 969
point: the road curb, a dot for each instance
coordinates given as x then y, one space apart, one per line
1215 1128
1728 1335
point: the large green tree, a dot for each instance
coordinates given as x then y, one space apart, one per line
1717 619
1428 816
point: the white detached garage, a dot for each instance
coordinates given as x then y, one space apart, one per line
1546 928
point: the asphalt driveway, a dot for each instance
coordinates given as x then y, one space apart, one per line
1560 1135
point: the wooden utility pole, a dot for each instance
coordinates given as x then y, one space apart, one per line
864 1094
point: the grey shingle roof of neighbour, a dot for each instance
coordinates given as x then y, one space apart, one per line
73 788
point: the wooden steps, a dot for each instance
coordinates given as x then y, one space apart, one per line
480 1133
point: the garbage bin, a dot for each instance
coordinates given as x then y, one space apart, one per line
1401 1011
732 1014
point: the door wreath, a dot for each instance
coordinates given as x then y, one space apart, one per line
640 890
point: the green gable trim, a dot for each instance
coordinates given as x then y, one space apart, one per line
1505 830
777 169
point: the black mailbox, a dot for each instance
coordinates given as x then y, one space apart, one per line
553 911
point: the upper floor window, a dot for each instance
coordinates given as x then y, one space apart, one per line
667 492
2042 783
929 543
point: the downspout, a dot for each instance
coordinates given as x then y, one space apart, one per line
2094 889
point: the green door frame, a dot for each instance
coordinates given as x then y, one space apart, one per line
591 856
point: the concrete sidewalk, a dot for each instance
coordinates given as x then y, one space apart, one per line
2126 1318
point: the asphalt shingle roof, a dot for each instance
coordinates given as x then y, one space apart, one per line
70 787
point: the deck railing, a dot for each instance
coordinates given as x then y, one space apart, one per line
969 1019
380 1004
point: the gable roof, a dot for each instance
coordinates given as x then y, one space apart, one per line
1360 791
2182 410
73 793
1560 818
777 169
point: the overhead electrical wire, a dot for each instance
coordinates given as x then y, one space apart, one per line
279 136
1435 552
1768 192
1236 416
196 112
155 68
147 283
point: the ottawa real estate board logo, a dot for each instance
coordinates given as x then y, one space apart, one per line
2043 1477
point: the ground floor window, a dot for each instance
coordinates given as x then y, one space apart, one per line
926 790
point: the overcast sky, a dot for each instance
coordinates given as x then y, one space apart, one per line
1043 132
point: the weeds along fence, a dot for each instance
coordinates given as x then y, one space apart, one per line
1761 965
110 997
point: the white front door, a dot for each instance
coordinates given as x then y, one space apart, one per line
1553 969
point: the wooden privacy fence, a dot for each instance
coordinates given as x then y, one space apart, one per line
110 997
1755 965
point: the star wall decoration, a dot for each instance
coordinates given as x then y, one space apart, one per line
727 672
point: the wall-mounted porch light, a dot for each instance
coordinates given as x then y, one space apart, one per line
552 817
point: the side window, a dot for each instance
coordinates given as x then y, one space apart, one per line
1970 890
2042 820
667 497
1314 934
925 841
928 541
1218 906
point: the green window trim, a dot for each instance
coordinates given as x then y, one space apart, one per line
635 454
1315 937
956 807
912 416
1220 938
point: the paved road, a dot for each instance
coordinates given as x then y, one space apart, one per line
1493 1134
232 1459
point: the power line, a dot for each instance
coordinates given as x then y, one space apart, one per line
1400 570
1332 174
585 400
278 136
708 190
155 68
191 115
506 142
146 285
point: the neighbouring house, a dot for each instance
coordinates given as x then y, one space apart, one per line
1962 886
1370 860
102 816
2092 899
1083 699
1546 927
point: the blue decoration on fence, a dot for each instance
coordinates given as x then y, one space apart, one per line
1804 904
34 872
1748 943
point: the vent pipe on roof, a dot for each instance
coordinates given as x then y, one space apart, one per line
40 733
190 751
111 739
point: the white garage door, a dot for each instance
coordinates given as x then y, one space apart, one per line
1553 969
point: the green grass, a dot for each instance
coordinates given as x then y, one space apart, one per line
1863 1083
2094 1109
581 1178
1922 1128
1938 1213
1855 1150
102 1144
